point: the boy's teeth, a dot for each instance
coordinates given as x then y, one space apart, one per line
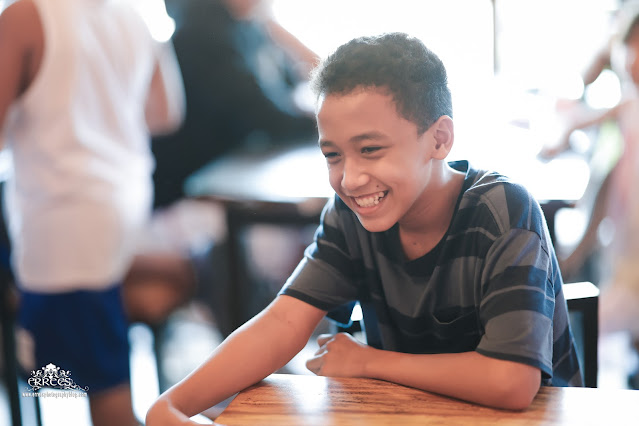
370 201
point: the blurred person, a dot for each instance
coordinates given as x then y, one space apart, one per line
616 203
242 72
82 85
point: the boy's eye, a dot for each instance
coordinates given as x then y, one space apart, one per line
370 149
330 155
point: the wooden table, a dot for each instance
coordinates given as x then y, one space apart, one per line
296 400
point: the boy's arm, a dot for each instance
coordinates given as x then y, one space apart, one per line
252 352
166 103
469 375
20 44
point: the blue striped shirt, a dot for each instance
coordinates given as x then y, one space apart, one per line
491 285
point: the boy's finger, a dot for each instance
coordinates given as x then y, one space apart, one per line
323 338
314 364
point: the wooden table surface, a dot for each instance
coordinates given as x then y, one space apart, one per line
298 400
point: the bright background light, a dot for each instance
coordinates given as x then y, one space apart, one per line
505 65
160 24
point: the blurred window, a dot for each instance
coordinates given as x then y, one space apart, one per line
508 60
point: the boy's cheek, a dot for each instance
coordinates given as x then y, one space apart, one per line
335 180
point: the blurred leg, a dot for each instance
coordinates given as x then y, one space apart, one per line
113 407
156 285
83 335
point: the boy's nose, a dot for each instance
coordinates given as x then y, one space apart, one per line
353 177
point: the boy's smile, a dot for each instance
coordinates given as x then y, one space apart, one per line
378 163
370 200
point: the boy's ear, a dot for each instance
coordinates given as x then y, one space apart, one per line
444 135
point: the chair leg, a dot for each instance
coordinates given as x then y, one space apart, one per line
10 360
591 338
159 332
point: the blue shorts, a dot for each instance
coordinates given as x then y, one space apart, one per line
84 332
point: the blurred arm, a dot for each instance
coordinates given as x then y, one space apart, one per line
21 45
298 51
599 62
576 259
166 103
586 119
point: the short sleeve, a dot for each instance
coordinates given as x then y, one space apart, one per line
518 301
325 278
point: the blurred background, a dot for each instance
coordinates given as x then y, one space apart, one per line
518 71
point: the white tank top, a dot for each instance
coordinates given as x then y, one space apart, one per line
81 188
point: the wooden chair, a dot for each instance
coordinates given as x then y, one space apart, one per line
10 367
583 305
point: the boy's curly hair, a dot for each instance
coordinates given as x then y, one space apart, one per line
395 62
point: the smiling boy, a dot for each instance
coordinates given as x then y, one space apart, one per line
452 265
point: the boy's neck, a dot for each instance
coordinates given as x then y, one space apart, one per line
421 236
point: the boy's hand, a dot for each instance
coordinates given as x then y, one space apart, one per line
162 413
339 355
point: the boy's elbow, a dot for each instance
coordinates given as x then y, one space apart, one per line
517 399
158 411
517 391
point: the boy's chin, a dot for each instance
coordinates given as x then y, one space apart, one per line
375 226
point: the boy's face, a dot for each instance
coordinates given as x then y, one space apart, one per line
378 164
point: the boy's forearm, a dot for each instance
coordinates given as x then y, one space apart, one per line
241 360
468 376
255 350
